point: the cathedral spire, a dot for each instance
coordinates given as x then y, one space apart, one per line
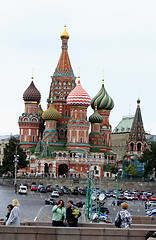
64 67
137 131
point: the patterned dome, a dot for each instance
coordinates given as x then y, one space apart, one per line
78 96
95 117
32 93
102 100
51 113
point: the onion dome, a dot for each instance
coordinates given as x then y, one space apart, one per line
40 110
51 113
32 93
78 96
95 117
138 101
102 100
65 34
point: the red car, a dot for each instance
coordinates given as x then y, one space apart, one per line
135 197
143 197
33 188
153 198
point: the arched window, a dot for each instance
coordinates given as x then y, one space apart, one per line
64 155
139 147
131 146
60 154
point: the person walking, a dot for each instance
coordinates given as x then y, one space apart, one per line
72 214
9 208
124 217
14 218
59 214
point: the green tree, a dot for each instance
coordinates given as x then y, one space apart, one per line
131 169
149 158
11 149
114 170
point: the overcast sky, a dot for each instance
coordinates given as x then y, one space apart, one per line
115 36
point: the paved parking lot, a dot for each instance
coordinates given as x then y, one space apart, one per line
33 205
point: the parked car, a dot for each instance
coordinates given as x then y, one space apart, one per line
82 191
55 194
143 197
135 197
75 191
152 203
43 189
102 209
50 189
33 188
152 198
129 197
50 201
22 190
79 204
39 187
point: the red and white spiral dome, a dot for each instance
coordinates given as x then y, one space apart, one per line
78 96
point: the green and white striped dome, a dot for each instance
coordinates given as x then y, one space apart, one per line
102 100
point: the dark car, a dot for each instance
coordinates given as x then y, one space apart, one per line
102 209
79 204
66 191
50 201
43 189
50 189
82 191
75 191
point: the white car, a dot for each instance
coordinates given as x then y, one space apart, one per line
22 190
55 194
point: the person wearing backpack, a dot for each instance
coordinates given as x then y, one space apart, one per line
123 218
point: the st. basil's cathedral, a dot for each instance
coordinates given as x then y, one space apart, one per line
60 140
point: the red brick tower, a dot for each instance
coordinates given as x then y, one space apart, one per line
104 105
31 123
137 142
78 126
63 81
95 136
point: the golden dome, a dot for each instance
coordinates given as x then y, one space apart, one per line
65 34
51 113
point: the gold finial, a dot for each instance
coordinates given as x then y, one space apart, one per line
65 34
102 81
103 77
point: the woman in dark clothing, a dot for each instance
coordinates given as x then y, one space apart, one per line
72 214
9 207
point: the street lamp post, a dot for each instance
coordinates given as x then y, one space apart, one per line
90 186
117 182
15 165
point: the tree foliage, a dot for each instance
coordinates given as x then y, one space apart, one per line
149 158
114 170
131 169
10 150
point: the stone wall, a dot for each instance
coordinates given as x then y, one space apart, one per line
79 233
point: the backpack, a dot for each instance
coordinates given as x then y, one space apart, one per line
118 221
